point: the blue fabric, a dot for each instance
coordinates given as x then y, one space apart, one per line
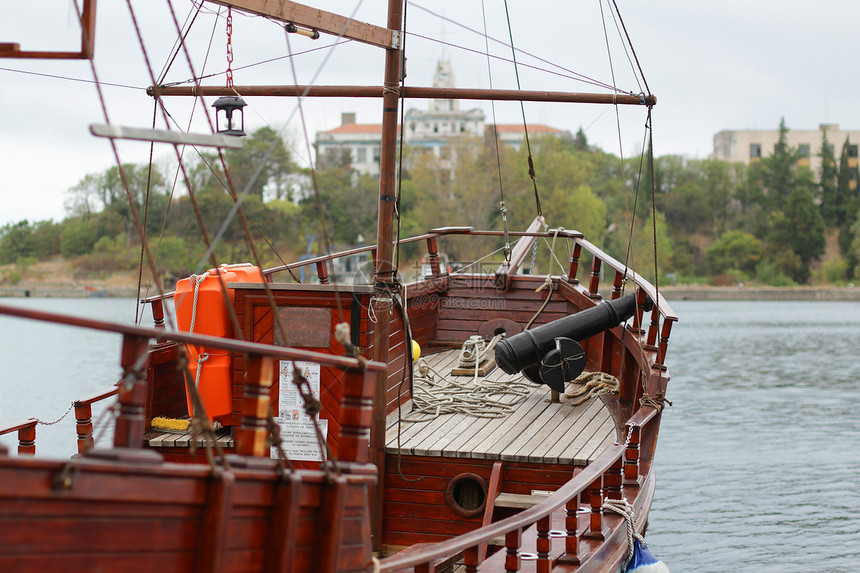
643 561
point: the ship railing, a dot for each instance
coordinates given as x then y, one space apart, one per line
84 424
26 435
251 435
656 336
616 472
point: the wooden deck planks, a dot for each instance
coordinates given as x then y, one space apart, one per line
538 431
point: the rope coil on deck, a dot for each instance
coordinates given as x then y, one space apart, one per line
434 395
593 384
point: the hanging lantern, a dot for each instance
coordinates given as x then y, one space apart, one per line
226 123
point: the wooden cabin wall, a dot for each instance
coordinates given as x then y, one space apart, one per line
257 319
472 300
417 511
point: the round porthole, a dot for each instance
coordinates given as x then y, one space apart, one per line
467 495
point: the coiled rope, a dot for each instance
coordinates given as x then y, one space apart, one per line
434 395
593 384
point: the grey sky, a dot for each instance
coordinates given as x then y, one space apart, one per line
731 64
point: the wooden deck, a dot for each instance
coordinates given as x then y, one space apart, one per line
538 431
158 439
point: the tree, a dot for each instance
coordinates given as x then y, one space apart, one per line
828 181
778 171
798 229
734 250
261 164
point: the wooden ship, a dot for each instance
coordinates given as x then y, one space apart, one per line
395 484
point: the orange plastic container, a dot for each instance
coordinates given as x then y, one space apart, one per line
211 317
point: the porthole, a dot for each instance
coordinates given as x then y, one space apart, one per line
467 494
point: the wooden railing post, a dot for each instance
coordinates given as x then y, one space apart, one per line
543 545
631 458
26 435
571 524
433 257
641 298
471 560
573 268
252 434
513 540
594 285
132 392
322 272
595 523
664 344
356 416
84 426
614 479
617 285
157 314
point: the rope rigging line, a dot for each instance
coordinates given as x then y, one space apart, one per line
572 74
593 384
532 172
503 206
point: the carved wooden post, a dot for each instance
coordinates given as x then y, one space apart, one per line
613 480
322 272
513 540
571 524
27 439
132 393
594 285
617 285
574 264
433 257
636 329
631 458
664 343
595 527
543 545
252 434
84 426
157 314
653 328
356 416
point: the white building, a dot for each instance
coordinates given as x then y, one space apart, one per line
435 128
748 146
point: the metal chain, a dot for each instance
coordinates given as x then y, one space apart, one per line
229 47
58 420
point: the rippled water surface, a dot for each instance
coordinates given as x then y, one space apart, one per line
758 463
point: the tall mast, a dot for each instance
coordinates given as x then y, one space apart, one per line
384 275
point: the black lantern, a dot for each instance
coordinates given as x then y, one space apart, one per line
229 105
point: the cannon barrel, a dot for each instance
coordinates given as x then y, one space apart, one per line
528 348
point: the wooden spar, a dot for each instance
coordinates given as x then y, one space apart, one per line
319 20
409 93
88 41
384 274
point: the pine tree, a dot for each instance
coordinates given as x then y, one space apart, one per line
843 187
828 181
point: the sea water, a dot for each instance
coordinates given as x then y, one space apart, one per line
758 462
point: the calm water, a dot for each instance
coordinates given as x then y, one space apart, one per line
758 462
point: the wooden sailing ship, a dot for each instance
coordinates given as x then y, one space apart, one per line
529 490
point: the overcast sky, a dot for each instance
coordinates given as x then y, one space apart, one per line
731 64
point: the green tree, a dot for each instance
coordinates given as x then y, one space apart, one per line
828 181
778 172
734 250
262 163
798 230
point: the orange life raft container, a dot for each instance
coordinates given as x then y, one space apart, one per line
211 368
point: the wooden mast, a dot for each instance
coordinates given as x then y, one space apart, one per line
384 275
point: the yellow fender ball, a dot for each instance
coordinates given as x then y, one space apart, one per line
416 351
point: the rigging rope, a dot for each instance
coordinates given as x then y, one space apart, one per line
593 384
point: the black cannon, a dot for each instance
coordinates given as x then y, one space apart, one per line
551 354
